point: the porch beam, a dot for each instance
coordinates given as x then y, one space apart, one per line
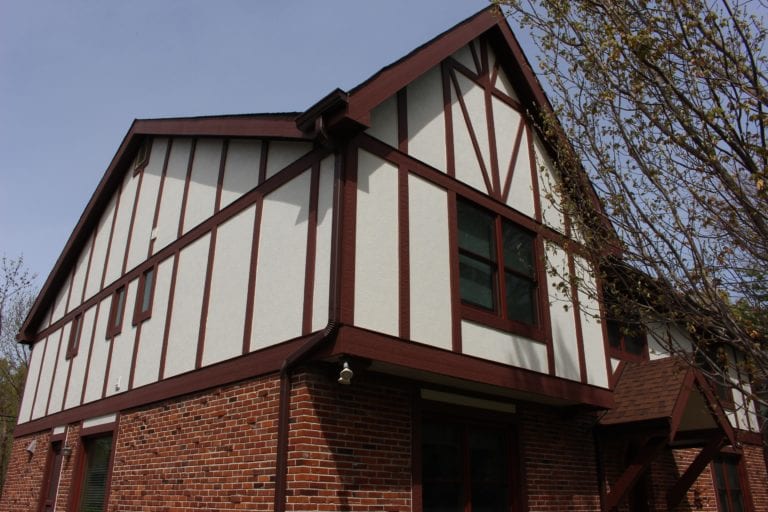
633 472
677 492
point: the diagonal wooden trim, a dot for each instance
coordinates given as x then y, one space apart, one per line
633 472
90 351
475 58
220 178
677 492
39 374
133 220
472 135
187 180
491 129
715 407
263 161
135 352
513 162
251 294
483 55
495 74
160 189
309 272
168 316
206 298
534 173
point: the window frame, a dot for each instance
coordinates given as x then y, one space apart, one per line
81 466
51 480
141 314
498 317
116 312
719 464
621 351
75 333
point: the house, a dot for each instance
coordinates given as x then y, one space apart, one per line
347 308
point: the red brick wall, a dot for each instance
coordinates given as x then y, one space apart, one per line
350 446
559 457
24 478
210 451
757 476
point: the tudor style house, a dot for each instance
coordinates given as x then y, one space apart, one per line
349 308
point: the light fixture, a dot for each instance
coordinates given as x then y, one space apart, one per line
31 447
346 374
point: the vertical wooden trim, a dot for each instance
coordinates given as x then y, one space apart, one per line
90 351
336 226
220 179
88 266
53 374
543 302
403 239
534 171
403 234
475 58
309 272
109 366
111 235
513 162
453 250
206 298
251 293
263 161
348 235
160 189
472 134
185 197
483 55
577 317
168 315
450 161
134 355
133 219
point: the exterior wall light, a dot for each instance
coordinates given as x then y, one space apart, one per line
346 374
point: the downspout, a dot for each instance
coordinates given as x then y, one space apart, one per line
599 467
313 343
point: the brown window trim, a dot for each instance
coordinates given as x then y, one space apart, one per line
141 314
116 313
621 352
497 318
73 345
78 475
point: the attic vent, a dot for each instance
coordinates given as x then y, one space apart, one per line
142 157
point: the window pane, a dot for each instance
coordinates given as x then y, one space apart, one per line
441 498
476 231
520 299
119 305
476 282
518 249
147 295
722 496
97 452
441 468
489 471
634 343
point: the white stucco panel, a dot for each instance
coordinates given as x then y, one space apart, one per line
201 196
281 267
145 209
464 56
229 288
122 227
467 166
282 153
151 340
78 276
122 346
33 374
241 170
426 119
503 347
61 300
384 122
591 327
564 340
376 250
321 288
46 374
80 361
172 193
551 209
474 99
429 261
94 380
56 400
187 305
96 271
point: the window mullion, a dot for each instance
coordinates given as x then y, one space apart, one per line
500 269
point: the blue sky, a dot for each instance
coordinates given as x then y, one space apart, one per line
74 74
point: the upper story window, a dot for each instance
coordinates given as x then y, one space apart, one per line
497 270
115 324
144 295
73 344
626 342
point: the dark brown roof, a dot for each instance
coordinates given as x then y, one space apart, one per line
648 391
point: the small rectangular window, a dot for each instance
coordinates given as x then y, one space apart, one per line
626 341
728 484
74 336
116 313
97 453
144 296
